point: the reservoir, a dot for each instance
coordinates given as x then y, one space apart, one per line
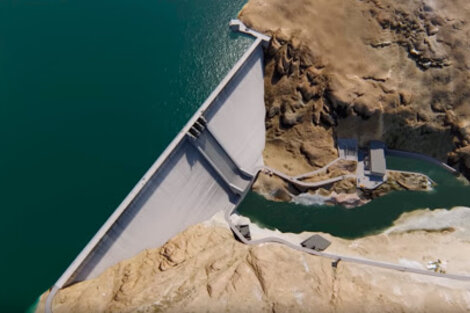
368 219
91 93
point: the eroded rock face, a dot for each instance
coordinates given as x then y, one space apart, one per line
204 269
299 134
396 71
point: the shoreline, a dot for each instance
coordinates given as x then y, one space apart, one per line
262 235
396 180
456 218
156 274
449 192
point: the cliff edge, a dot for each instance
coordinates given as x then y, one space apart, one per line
396 71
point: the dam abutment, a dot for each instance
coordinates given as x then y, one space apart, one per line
208 167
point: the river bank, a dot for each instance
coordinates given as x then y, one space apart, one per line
373 217
339 183
204 269
364 102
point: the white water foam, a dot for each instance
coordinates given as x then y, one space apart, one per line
310 199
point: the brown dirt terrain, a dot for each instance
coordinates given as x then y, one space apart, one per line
204 269
396 71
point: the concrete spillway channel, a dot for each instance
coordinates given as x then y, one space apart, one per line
208 167
237 179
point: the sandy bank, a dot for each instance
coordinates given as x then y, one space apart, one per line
204 269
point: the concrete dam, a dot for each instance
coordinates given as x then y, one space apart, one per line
208 167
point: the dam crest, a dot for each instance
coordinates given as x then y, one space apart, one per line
209 166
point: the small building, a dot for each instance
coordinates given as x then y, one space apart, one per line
347 148
378 166
244 230
316 242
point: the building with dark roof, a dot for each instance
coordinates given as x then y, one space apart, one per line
244 230
316 242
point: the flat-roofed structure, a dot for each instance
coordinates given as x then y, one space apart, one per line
244 230
316 242
378 166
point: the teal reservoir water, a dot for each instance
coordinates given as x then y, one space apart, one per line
368 219
91 92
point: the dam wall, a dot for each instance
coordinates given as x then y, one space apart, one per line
208 167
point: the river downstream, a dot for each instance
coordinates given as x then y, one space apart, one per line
368 219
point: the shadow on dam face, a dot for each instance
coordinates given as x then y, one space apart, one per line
184 187
184 152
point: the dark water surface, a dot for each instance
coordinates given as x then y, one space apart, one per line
371 218
91 92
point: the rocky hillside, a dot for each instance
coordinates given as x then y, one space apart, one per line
204 269
393 70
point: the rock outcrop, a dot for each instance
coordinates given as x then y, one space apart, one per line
204 269
396 71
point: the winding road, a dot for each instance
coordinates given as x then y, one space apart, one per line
338 257
299 183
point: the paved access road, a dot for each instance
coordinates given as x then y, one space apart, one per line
337 257
300 183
